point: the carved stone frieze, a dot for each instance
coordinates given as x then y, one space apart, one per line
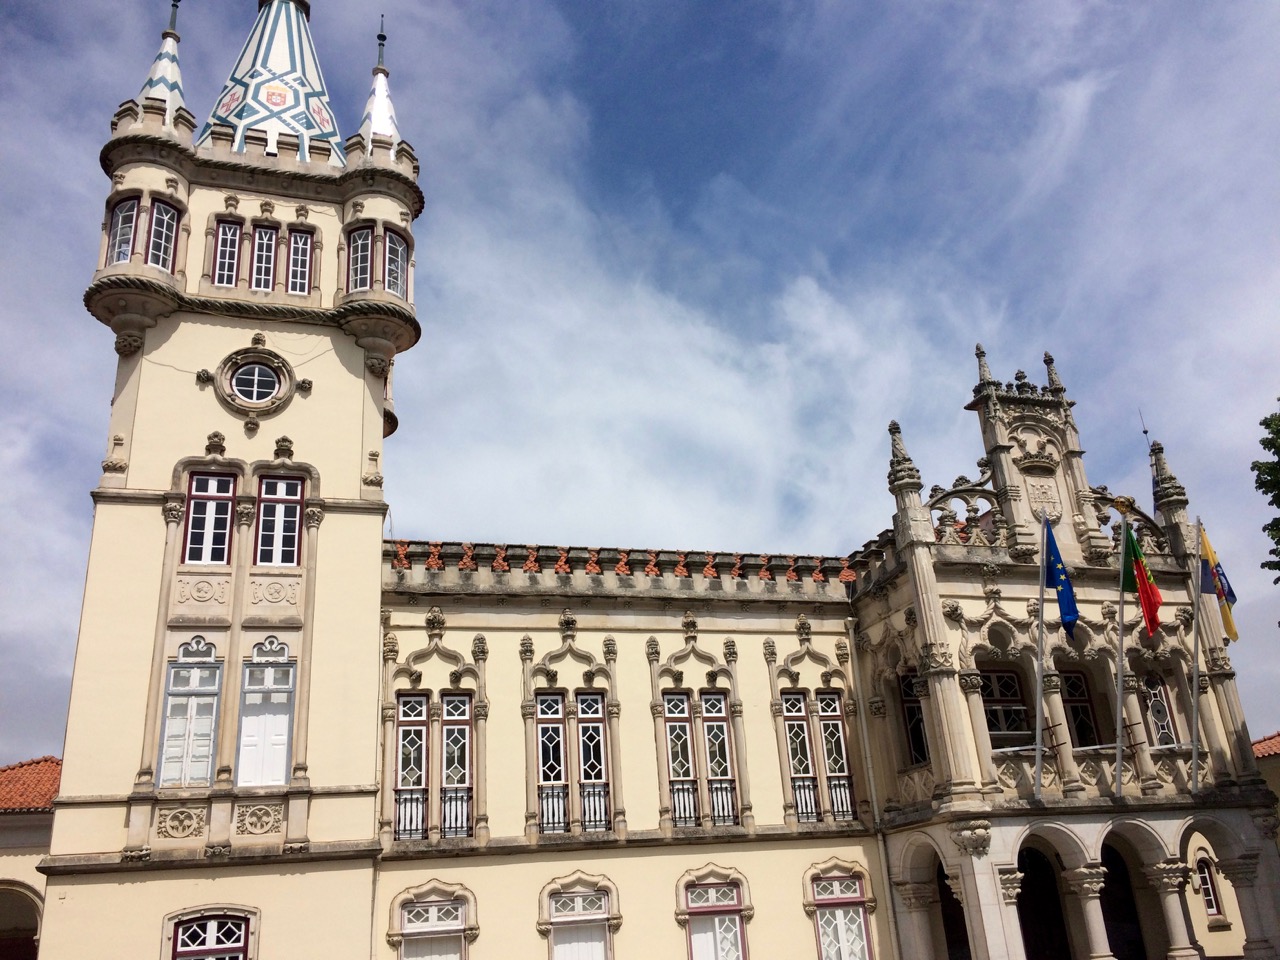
179 823
273 591
1010 884
972 836
1086 881
258 819
205 590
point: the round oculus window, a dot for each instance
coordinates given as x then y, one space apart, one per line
255 383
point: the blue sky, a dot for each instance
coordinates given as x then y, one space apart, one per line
682 262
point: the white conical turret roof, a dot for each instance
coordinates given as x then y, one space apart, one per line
379 113
164 81
276 85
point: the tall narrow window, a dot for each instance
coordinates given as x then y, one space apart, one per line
264 258
553 774
266 715
841 918
124 216
1078 706
804 782
580 926
593 769
1008 719
1159 717
190 711
164 233
209 519
411 773
434 930
715 922
397 275
721 787
831 734
359 259
683 779
1208 888
279 510
455 773
226 260
211 938
913 720
300 262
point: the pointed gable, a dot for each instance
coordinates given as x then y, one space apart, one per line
276 86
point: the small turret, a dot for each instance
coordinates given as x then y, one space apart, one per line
276 89
903 473
164 81
379 113
1170 503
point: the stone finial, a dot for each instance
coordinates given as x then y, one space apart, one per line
284 448
568 624
1055 382
526 648
435 623
216 444
1169 493
690 625
651 650
479 648
984 371
903 474
610 649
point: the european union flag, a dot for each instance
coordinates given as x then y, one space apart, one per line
1056 577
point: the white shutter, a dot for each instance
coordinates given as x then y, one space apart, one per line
264 741
702 938
431 948
581 941
188 741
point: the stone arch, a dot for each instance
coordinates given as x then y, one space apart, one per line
918 859
1062 841
21 915
1140 835
1226 839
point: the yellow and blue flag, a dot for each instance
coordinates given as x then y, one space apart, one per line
1214 580
1057 578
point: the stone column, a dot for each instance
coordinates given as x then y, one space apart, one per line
922 688
819 760
1085 883
699 750
1242 873
614 709
1068 772
435 712
915 922
1168 878
387 815
937 663
651 653
480 656
789 817
1133 723
572 775
1219 757
740 753
1223 680
527 709
971 685
1011 944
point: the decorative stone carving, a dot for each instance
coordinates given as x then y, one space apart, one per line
804 629
562 562
770 651
610 649
213 851
526 648
313 517
971 682
479 648
765 573
1086 881
1168 876
1266 821
916 896
689 624
467 562
173 511
730 650
435 622
876 707
709 571
179 823
623 566
531 564
1010 884
651 568
373 479
376 365
136 855
935 659
273 591
127 344
305 386
568 624
259 818
244 514
284 448
202 590
216 444
972 836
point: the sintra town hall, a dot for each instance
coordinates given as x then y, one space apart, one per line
291 738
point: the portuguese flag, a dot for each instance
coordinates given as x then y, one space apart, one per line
1138 579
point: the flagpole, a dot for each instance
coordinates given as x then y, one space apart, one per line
1197 586
1044 564
1123 508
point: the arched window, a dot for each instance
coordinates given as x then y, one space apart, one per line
124 216
190 715
1208 887
837 897
215 932
714 905
1160 726
417 715
578 915
437 920
1078 705
397 266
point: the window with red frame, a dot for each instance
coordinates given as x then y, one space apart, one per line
164 236
359 259
840 917
209 501
715 922
264 258
124 217
211 938
279 514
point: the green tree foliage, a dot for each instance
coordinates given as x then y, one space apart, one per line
1267 480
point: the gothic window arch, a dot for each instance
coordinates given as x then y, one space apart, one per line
434 738
570 738
1162 729
437 919
122 228
699 737
578 914
809 705
1006 704
212 932
713 904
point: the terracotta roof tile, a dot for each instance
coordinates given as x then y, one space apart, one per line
1267 746
30 786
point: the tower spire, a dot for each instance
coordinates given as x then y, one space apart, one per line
379 113
164 80
276 89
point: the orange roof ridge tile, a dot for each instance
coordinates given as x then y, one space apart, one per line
30 786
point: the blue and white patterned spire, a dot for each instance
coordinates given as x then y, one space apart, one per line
164 81
379 113
276 86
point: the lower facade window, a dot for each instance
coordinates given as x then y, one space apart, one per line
211 938
715 922
1077 704
580 926
1208 888
266 717
416 721
434 929
840 916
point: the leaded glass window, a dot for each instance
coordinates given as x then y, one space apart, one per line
841 919
359 259
226 256
264 258
124 217
211 938
164 235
